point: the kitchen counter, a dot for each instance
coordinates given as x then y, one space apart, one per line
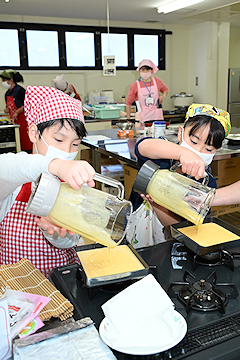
9 138
123 149
211 334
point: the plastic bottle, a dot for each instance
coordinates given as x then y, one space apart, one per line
159 128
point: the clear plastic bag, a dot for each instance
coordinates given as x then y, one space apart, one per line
74 341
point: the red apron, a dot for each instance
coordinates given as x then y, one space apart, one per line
20 237
21 120
148 99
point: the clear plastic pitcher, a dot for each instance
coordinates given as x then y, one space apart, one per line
179 194
92 213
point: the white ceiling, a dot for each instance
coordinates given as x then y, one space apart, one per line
125 10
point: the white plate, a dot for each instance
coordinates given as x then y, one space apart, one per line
137 348
233 137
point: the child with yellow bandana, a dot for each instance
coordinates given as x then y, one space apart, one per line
202 135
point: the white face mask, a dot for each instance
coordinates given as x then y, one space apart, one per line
55 153
145 75
207 158
6 85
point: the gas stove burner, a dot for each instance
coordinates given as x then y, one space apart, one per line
203 295
181 252
222 257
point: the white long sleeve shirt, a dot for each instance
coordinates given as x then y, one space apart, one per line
21 168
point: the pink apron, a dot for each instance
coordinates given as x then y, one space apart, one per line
20 237
148 99
24 139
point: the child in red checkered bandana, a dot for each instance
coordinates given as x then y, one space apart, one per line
55 127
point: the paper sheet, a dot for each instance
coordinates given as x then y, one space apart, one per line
5 338
142 317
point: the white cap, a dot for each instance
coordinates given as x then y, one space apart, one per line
60 83
44 195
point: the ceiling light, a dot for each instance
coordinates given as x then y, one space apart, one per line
176 5
6 0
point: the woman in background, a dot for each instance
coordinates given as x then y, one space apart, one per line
14 98
61 84
147 91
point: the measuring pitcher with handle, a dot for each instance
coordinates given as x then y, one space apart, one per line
179 194
92 213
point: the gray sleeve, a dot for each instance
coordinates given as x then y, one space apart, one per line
18 169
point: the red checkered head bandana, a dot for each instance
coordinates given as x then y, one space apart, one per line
44 103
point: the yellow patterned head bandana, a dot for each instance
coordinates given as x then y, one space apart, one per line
203 109
8 73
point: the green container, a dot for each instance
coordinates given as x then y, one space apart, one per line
106 113
121 106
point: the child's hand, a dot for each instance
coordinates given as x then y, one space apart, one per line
192 164
45 223
147 198
75 173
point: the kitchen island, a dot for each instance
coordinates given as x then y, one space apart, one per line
123 149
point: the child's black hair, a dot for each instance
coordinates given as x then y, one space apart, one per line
76 125
145 67
216 133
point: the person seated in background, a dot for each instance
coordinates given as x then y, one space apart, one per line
56 128
61 84
14 98
204 130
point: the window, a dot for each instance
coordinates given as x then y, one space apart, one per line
42 48
80 49
9 45
146 47
34 46
115 44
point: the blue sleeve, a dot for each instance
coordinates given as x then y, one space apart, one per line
212 180
162 163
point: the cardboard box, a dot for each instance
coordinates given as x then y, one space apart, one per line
226 171
129 178
222 210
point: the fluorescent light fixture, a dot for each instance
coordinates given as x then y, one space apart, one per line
176 5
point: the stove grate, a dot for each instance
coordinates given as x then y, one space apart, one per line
206 336
199 339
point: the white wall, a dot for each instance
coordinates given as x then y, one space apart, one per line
175 76
208 63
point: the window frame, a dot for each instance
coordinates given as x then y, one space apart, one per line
97 30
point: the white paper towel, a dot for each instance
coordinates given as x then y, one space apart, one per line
142 315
